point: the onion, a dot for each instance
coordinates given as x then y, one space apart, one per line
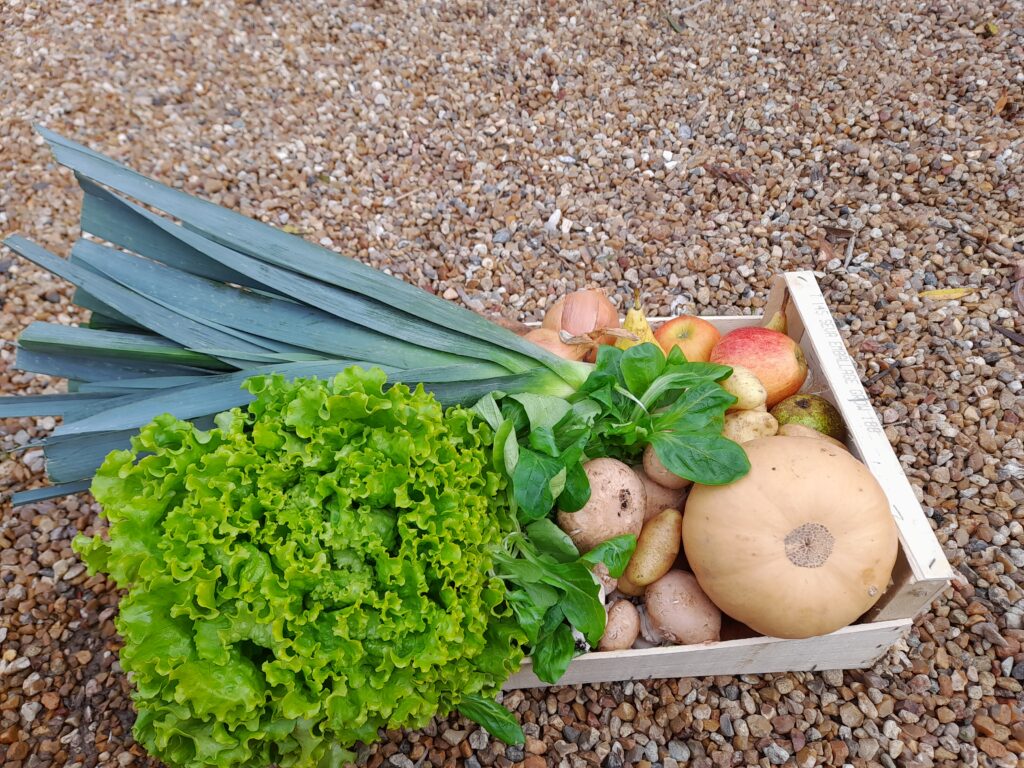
547 338
553 317
589 310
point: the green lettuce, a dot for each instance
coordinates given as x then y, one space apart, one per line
318 566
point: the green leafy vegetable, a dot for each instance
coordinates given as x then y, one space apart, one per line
492 716
687 438
554 652
554 591
632 398
640 367
551 540
537 480
317 566
614 553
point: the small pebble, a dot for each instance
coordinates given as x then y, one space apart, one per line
776 755
679 751
478 739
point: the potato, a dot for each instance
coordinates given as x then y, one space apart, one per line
656 548
744 426
626 587
748 390
659 497
621 628
657 472
799 430
616 506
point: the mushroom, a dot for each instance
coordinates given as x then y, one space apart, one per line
617 504
659 498
657 471
609 582
622 627
679 612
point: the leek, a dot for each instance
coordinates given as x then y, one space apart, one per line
188 299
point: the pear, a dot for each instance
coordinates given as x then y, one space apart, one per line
637 325
777 322
811 411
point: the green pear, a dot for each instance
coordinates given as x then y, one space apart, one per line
811 411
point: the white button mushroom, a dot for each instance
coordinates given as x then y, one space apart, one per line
678 611
622 627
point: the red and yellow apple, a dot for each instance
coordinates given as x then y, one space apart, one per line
694 337
773 357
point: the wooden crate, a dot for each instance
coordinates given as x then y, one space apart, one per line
921 571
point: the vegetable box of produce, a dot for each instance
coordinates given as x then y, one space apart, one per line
830 399
339 503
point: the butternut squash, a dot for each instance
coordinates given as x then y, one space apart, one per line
801 546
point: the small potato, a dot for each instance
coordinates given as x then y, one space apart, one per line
657 472
621 628
799 430
659 497
656 548
744 426
626 587
748 390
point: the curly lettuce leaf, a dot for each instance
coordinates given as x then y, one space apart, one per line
315 568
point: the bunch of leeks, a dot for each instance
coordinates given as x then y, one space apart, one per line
188 299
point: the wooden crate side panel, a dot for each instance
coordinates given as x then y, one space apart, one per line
925 557
854 647
908 599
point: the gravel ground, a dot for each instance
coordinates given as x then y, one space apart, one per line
502 153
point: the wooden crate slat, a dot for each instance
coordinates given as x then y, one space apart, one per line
867 436
853 647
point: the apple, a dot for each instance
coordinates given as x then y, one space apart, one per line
774 358
694 337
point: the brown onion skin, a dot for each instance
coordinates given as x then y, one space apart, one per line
588 310
553 316
547 338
